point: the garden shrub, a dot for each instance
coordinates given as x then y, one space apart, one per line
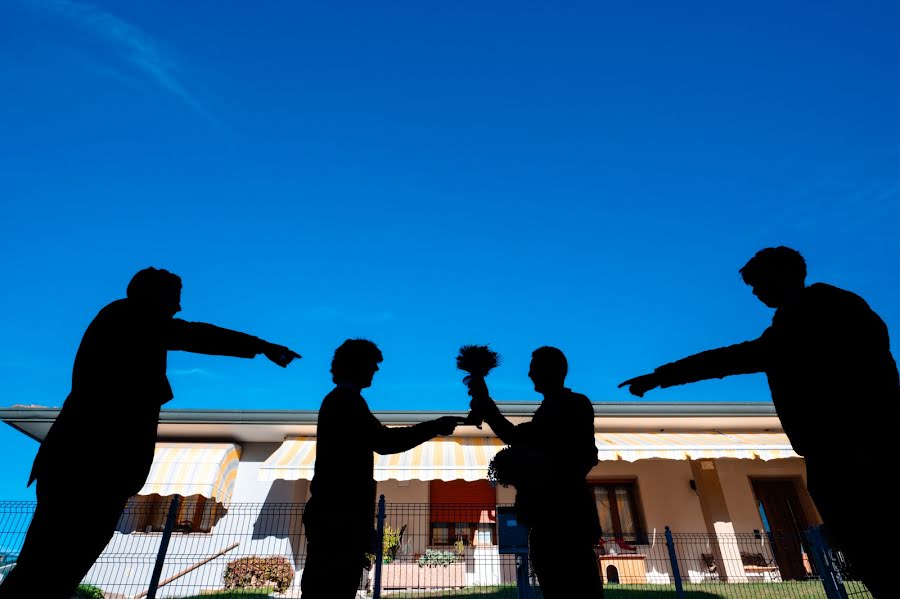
434 558
88 591
259 572
393 539
392 543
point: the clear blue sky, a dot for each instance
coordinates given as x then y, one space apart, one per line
430 174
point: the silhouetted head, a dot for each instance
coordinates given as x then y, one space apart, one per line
157 291
548 369
775 274
355 362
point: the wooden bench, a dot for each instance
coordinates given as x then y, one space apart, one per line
756 566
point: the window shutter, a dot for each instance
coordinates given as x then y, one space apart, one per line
463 501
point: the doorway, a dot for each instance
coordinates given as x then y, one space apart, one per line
784 522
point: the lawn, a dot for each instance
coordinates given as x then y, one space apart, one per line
785 590
790 590
241 594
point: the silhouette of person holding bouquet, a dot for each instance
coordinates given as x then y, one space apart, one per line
547 461
339 515
835 387
100 449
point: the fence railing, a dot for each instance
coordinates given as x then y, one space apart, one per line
445 550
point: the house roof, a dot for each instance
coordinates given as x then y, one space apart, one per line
275 425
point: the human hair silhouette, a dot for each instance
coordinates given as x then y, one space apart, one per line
775 275
835 387
355 361
104 437
547 462
780 263
549 368
155 288
339 514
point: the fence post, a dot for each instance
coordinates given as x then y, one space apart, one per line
379 550
824 561
676 573
163 546
523 583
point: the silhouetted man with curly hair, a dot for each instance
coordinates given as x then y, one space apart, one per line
340 514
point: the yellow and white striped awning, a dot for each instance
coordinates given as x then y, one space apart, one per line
467 458
207 469
294 460
630 447
451 458
460 458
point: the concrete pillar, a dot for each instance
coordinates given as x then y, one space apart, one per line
718 521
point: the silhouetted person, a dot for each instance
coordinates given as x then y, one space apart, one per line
340 513
550 456
99 451
835 387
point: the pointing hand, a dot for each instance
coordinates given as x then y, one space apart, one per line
279 354
641 384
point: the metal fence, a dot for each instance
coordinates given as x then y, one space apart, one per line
429 551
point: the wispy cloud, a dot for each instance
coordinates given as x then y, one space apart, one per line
132 45
191 372
846 200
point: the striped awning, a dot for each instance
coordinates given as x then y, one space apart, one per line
467 458
460 458
294 460
207 469
452 458
630 447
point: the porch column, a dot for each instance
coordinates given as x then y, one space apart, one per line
718 520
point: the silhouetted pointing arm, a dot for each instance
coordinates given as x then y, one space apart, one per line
202 338
742 358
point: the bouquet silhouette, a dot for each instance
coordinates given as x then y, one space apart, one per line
478 361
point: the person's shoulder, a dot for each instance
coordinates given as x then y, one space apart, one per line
825 290
823 293
115 309
580 401
581 397
343 398
337 393
115 317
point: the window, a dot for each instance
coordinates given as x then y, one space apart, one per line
485 534
617 508
148 513
440 533
463 511
448 533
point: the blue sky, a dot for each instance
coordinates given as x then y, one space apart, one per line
587 175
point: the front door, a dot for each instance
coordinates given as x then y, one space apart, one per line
784 521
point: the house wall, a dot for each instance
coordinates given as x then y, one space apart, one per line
414 515
255 522
506 495
249 489
736 476
665 497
